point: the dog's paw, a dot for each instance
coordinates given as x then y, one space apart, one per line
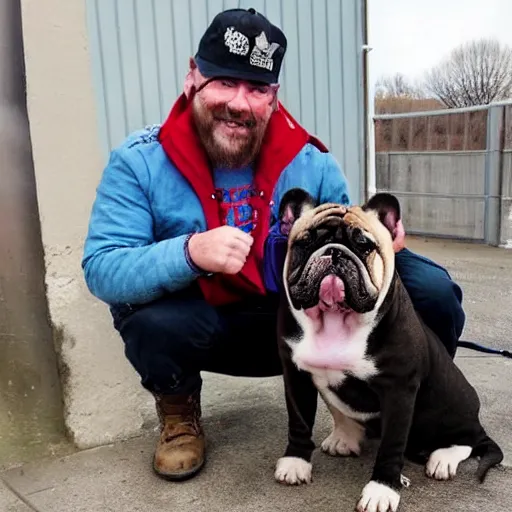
377 497
443 463
339 443
293 471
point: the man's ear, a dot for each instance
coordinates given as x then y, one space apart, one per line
275 100
294 203
190 78
387 208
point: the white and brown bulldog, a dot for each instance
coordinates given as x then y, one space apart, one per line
348 331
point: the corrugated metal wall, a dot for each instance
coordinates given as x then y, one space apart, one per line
141 49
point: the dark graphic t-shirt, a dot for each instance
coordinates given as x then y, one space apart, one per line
234 190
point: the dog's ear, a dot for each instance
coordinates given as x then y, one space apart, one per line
387 207
293 204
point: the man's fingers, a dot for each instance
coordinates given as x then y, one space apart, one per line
238 257
234 264
239 245
243 236
398 237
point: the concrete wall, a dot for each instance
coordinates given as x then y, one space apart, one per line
30 399
441 193
103 399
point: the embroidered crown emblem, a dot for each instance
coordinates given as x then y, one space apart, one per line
262 52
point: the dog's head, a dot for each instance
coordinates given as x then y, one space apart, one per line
345 251
340 264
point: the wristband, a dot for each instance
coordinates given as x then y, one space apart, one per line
191 264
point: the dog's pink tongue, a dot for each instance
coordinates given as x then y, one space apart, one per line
332 293
332 290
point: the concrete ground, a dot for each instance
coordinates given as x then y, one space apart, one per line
245 422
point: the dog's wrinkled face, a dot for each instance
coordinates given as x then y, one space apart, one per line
337 259
337 272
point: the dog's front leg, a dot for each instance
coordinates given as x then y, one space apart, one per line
301 398
381 493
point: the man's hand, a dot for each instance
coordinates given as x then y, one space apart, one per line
398 237
223 249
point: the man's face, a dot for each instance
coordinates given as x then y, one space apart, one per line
231 117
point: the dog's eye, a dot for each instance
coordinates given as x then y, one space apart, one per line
304 240
323 233
362 242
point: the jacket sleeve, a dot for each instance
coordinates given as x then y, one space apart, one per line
122 262
334 187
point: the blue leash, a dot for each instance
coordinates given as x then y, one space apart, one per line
480 348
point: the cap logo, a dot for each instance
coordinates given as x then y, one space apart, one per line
236 41
262 52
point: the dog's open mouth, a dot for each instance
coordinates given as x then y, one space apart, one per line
334 323
331 298
334 291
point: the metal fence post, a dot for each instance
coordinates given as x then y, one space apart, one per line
493 163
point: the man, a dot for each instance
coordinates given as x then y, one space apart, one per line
176 237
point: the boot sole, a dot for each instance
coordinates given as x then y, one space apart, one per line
182 475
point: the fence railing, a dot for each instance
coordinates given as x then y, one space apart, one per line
451 170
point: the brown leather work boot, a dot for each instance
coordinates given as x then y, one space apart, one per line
180 452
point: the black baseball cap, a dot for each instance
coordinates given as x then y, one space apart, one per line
243 44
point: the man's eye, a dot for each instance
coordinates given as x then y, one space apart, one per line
259 89
228 83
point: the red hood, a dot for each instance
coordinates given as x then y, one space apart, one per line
283 141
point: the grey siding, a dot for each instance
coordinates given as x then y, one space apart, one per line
141 48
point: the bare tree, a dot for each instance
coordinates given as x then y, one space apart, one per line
397 93
475 73
397 86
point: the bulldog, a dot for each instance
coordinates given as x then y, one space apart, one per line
347 330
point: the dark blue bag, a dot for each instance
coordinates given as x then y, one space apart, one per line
274 255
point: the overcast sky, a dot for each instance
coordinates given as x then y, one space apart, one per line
410 36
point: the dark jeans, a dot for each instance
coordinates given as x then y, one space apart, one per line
435 296
171 340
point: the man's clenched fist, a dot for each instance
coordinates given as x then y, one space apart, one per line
223 249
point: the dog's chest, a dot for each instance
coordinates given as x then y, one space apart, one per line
351 396
333 354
